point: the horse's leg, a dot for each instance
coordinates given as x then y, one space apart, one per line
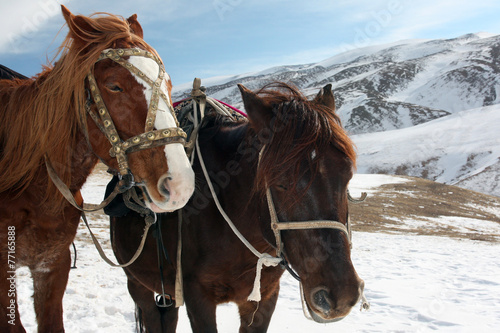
154 319
255 317
49 284
10 321
201 311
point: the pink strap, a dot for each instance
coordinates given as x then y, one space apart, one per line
229 106
233 108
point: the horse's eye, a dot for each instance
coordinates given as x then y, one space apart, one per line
114 88
282 187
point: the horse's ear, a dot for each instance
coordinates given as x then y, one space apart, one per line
135 27
78 25
66 13
259 112
325 97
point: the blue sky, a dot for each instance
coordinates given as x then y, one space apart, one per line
205 38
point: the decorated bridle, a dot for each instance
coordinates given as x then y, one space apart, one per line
151 137
119 147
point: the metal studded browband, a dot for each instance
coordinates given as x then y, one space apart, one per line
151 137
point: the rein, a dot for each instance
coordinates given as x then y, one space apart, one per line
264 258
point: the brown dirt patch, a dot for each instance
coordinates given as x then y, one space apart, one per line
420 201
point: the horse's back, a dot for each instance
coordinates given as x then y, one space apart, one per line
10 80
9 74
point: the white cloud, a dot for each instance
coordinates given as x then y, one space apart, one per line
417 18
250 30
25 20
22 22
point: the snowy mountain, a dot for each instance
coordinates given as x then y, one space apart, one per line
390 86
461 149
388 90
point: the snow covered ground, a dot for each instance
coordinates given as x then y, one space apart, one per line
414 284
448 150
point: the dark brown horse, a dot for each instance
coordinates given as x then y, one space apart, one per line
55 117
9 74
306 160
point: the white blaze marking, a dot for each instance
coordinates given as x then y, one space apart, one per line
164 118
178 164
150 68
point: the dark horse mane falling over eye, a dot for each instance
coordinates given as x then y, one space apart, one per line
302 129
49 118
306 162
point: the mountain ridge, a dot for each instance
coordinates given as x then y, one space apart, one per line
383 89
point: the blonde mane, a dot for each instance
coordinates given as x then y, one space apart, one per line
45 115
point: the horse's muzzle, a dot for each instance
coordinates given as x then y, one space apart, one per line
324 308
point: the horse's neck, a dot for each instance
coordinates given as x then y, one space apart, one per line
231 146
232 155
82 161
82 158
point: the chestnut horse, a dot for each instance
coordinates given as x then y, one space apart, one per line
306 161
55 117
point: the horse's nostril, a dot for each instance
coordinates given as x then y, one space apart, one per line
164 187
321 300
